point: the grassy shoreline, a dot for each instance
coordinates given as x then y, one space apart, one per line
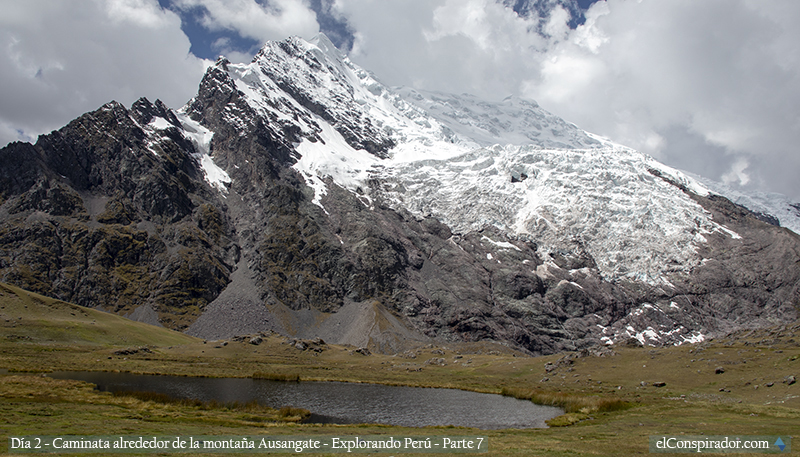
613 403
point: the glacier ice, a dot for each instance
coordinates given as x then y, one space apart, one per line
473 163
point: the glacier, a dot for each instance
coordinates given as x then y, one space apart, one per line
296 190
472 163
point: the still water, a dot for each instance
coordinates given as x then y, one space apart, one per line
340 402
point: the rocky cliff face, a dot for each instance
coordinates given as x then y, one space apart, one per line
99 214
298 194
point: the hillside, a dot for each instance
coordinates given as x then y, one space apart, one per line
30 319
671 390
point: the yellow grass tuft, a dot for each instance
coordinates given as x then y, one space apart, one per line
277 376
570 403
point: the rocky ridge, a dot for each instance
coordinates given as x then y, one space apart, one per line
294 194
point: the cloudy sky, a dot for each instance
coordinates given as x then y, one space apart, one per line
711 87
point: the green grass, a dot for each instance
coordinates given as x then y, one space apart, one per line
31 319
612 405
267 414
569 402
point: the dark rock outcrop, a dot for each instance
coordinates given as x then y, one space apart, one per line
95 215
113 211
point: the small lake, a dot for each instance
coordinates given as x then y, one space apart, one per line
341 402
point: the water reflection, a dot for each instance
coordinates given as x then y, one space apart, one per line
342 403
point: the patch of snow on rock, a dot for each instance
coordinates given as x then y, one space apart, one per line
201 137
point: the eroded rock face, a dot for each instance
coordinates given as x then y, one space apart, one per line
97 214
197 219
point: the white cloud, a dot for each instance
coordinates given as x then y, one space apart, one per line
475 20
139 12
720 75
61 59
476 46
274 20
225 47
725 71
707 86
736 174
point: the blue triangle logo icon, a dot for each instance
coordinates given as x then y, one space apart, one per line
780 444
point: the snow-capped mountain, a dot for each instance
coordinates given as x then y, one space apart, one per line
771 207
297 193
471 164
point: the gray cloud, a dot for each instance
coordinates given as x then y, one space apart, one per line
711 87
723 71
61 59
475 46
273 20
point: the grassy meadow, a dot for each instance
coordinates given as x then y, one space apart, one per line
613 400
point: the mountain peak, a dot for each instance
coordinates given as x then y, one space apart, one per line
297 191
322 41
353 130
